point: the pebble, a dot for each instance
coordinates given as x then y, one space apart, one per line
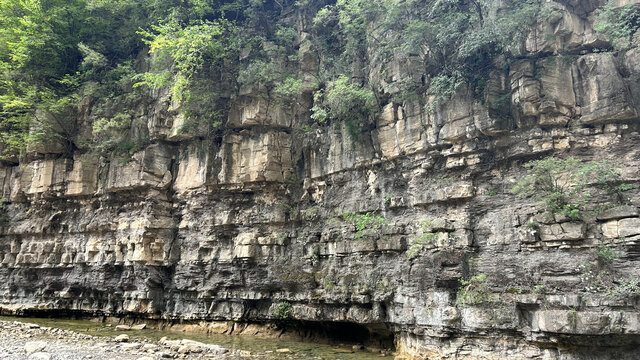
34 346
149 347
22 341
122 338
40 356
131 346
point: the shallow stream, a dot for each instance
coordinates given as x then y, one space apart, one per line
256 346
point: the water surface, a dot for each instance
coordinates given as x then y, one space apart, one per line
257 346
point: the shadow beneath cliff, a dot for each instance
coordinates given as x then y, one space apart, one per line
369 335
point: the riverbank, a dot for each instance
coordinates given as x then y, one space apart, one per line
53 339
20 340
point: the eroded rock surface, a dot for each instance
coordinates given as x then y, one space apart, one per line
197 229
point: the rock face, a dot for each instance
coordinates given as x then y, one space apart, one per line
260 223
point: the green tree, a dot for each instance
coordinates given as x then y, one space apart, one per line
618 24
38 59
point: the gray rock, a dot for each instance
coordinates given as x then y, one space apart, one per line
122 338
34 346
234 225
40 356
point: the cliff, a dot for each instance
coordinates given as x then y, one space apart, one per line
273 220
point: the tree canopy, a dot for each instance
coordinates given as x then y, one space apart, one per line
95 61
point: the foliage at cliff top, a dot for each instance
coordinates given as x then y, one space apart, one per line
66 64
619 24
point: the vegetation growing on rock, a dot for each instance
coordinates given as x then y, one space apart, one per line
58 57
561 184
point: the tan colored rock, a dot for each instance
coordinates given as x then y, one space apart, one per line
568 231
179 129
194 168
525 89
5 182
34 346
621 228
610 229
628 227
44 175
147 168
251 111
618 212
334 151
83 178
601 92
249 157
558 99
122 338
564 29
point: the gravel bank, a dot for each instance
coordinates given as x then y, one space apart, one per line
30 341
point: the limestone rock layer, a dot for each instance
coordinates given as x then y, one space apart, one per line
226 229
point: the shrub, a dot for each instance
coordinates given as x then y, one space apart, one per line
605 253
626 289
291 87
443 87
366 224
283 310
426 238
618 24
473 291
559 184
353 104
419 243
189 48
464 39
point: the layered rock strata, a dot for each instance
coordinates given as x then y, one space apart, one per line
232 228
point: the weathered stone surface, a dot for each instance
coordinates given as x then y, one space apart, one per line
248 157
195 167
563 232
147 168
376 228
601 91
618 212
122 338
253 111
399 135
34 346
621 228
